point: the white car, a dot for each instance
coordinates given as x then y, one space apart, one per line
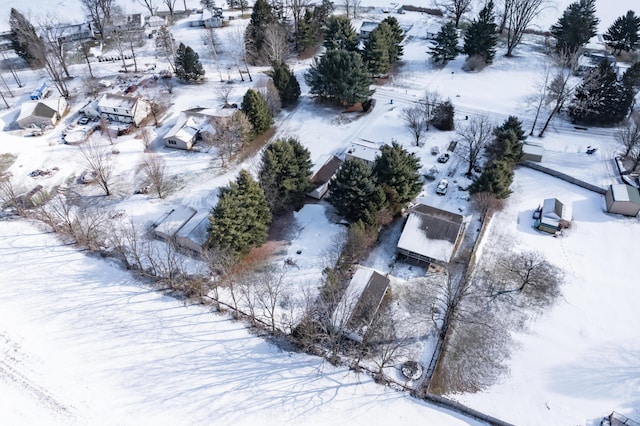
443 185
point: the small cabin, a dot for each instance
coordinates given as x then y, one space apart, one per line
623 199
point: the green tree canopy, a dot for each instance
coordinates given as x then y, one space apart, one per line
481 37
284 174
442 116
187 64
340 34
354 193
377 50
624 33
286 83
341 76
397 171
255 35
446 44
507 142
241 218
577 25
257 110
496 178
397 35
25 40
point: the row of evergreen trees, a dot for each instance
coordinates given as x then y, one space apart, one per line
503 154
241 218
343 74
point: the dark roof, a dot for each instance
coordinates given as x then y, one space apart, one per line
369 301
327 171
438 224
42 110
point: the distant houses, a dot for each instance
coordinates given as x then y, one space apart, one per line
430 236
125 109
623 199
41 113
358 306
207 18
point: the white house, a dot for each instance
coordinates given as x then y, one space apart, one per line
361 149
183 134
207 19
320 179
41 113
125 109
155 21
366 28
193 234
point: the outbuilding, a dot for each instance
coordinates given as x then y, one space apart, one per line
623 199
361 149
169 225
41 113
532 152
554 216
320 179
193 234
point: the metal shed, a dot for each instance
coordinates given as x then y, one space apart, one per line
623 199
171 223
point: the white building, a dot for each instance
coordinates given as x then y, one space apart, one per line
193 234
125 109
169 225
41 113
363 150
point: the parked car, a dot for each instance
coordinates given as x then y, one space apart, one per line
443 185
444 157
83 121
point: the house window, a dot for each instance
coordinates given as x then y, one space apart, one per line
172 142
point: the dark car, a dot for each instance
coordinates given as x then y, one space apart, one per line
443 158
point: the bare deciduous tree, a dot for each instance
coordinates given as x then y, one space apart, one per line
386 340
519 16
98 159
146 137
429 102
210 39
416 120
270 94
52 32
155 170
455 9
474 138
148 4
231 134
100 13
486 203
171 5
297 9
105 129
276 46
272 289
629 138
166 46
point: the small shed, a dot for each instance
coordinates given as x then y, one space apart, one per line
358 306
193 234
532 152
623 199
554 216
431 235
363 150
171 223
366 28
320 179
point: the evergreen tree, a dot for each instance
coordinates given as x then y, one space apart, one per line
187 64
340 34
377 50
481 37
354 193
321 14
442 116
341 76
397 171
241 218
624 33
261 17
446 44
397 35
508 141
286 83
284 174
601 99
496 178
576 27
631 78
257 110
305 33
25 40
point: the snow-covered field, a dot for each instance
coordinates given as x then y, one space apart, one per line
81 342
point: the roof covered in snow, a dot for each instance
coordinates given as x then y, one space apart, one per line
622 192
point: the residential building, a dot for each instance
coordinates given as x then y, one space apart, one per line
361 149
125 109
554 216
321 178
41 113
623 199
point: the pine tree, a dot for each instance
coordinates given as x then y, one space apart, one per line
305 33
354 193
576 27
397 171
241 218
261 17
397 35
321 15
601 99
481 37
442 116
284 174
377 50
340 34
631 78
286 83
624 33
257 110
341 76
187 64
25 40
507 142
446 44
496 178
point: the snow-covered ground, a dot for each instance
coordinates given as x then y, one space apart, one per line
81 342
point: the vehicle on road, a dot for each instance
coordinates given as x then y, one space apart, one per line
444 157
443 185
